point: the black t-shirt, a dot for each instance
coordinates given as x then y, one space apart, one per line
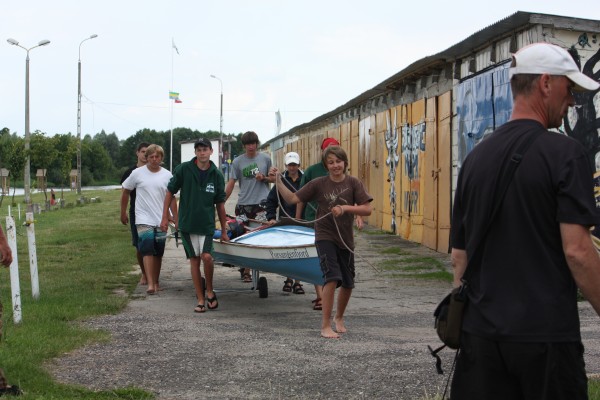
524 290
132 193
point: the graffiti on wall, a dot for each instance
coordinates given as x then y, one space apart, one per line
391 143
411 199
582 121
484 102
413 142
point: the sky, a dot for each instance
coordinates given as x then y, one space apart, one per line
301 58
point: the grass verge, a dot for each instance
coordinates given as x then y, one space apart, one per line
594 389
405 264
85 264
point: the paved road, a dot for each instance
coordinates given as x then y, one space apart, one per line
252 348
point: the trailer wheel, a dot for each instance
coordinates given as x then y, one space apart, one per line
263 288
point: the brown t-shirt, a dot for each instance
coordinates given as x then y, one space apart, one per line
329 194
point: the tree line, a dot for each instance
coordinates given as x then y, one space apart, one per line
104 157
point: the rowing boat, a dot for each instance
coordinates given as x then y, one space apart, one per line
287 250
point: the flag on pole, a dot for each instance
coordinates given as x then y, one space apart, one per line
173 95
175 47
278 121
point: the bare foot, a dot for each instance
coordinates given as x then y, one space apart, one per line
339 325
143 280
329 333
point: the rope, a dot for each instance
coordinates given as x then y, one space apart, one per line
302 221
450 375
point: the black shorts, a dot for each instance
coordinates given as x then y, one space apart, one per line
134 233
337 264
488 369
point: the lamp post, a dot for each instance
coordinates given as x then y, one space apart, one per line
79 114
220 126
27 172
228 154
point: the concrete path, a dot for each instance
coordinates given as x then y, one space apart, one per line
253 348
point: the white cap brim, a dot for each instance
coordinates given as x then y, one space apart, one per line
583 82
546 58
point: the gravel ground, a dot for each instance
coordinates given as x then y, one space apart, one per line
269 348
253 348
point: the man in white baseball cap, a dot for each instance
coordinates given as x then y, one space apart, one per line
546 58
291 158
520 335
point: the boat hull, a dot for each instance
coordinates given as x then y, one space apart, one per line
287 251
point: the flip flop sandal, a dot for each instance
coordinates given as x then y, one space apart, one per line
298 288
287 285
211 300
200 308
317 304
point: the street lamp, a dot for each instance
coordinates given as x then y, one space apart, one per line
221 125
79 115
228 154
26 173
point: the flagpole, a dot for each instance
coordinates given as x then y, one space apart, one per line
171 145
171 101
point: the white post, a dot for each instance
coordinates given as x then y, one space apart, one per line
11 236
33 269
9 211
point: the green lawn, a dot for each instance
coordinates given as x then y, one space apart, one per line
85 263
